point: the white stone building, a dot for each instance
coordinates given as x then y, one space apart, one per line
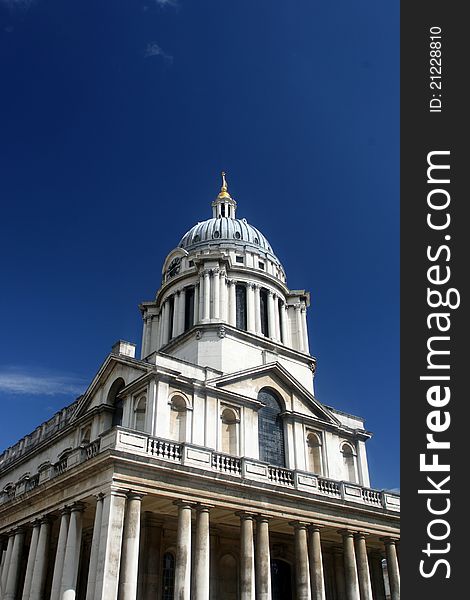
206 469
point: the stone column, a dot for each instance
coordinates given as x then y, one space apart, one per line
216 294
201 554
377 575
95 547
206 307
196 305
232 303
250 307
165 324
316 563
283 317
6 560
11 585
271 316
183 552
392 567
365 586
339 574
72 552
201 295
257 310
223 312
247 558
130 548
303 312
277 324
176 315
263 560
41 561
148 334
109 555
302 571
350 569
31 558
60 553
299 328
154 334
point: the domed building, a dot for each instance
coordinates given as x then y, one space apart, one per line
206 469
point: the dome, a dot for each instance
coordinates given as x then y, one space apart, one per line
225 230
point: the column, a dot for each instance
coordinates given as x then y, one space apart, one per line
302 571
72 552
377 575
247 559
392 567
271 317
11 585
284 325
41 560
263 560
299 328
257 310
216 294
165 325
183 552
60 553
182 309
223 312
31 558
339 574
350 569
250 307
196 305
155 332
148 334
201 295
109 555
303 312
6 561
277 325
365 586
130 548
176 314
207 296
201 554
232 303
316 563
95 547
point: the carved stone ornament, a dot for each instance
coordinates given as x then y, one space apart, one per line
198 334
221 333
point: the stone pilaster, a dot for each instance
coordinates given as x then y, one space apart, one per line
216 294
271 316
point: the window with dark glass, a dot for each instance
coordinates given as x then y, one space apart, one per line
280 308
189 309
240 297
239 259
168 578
271 429
263 300
117 403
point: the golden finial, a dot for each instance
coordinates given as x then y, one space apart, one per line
223 190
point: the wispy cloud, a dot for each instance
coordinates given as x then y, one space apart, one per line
164 3
20 380
18 4
153 49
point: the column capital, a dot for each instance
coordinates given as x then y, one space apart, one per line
133 495
260 518
65 510
360 535
77 507
315 527
389 541
245 515
346 533
185 503
203 507
118 492
46 519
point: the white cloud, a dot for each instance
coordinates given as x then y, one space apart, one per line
153 49
18 380
166 2
19 4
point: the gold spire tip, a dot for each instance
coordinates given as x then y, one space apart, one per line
224 183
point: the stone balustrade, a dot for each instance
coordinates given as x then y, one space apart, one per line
190 455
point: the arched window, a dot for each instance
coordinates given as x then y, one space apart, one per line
168 576
271 429
178 419
229 431
140 408
240 301
117 403
314 462
85 435
349 463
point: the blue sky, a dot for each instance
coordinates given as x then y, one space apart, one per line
116 120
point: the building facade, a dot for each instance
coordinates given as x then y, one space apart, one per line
206 469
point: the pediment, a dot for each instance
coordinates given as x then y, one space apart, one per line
296 398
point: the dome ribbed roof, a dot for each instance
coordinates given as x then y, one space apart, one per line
223 230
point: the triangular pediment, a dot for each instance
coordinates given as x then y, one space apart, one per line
296 397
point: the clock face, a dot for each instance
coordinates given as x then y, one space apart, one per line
174 267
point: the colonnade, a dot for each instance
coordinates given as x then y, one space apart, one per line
214 299
114 556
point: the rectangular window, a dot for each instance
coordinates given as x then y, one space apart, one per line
240 295
239 259
261 265
189 309
263 299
